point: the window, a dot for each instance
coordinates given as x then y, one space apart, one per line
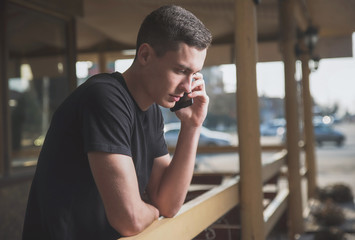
38 81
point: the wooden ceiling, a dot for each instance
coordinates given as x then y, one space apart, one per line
113 25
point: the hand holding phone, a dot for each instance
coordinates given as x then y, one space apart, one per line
183 102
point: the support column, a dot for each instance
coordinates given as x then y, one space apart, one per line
102 62
251 195
4 105
288 40
72 54
308 128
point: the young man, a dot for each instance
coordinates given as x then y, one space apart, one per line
104 170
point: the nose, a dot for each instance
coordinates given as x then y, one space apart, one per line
186 83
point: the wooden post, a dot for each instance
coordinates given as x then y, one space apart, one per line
308 128
71 53
4 113
2 79
288 40
248 121
102 62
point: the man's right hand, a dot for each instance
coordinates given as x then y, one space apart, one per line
195 114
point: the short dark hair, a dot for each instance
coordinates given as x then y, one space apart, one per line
167 26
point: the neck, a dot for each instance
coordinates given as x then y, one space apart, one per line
134 82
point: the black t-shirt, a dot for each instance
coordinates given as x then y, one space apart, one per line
100 115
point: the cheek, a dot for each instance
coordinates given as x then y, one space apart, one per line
176 80
169 82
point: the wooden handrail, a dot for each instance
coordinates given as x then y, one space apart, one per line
205 149
274 210
196 215
272 167
202 211
230 149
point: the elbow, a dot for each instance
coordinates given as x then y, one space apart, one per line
169 212
133 220
168 207
127 227
128 232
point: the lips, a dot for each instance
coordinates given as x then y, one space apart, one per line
175 98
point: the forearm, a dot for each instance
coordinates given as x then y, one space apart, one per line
177 176
138 219
170 181
116 180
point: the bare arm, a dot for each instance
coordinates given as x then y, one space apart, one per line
170 180
116 180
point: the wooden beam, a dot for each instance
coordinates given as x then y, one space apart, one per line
102 62
288 40
194 216
275 210
5 165
248 121
71 53
301 15
308 128
272 167
3 85
65 15
202 211
230 149
59 7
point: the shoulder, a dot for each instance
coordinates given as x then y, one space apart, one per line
102 81
105 88
104 95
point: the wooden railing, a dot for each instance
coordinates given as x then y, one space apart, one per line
231 149
195 215
201 212
275 209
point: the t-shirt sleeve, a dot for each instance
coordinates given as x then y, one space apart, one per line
107 120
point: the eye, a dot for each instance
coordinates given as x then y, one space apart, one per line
181 70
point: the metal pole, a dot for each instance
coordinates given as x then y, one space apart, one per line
248 121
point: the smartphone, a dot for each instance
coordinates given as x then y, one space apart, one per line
183 102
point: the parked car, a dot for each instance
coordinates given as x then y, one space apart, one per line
207 136
275 127
325 133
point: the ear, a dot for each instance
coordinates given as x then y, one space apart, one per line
144 53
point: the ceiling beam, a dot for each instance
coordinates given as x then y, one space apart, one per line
302 15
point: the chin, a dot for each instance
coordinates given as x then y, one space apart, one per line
167 104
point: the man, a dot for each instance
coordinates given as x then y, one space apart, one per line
104 170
